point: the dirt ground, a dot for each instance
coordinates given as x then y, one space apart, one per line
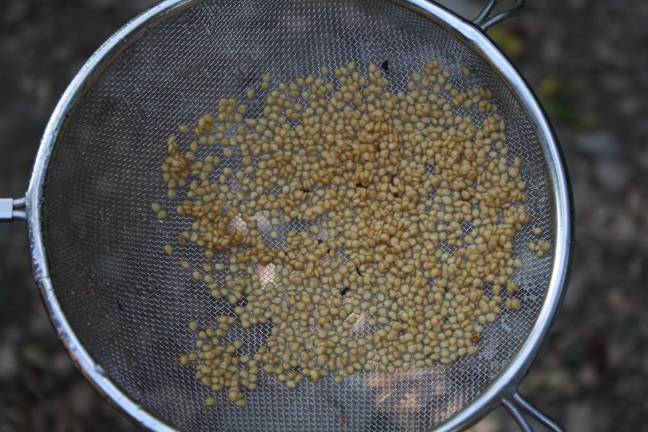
588 62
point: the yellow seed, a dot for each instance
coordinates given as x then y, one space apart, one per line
513 304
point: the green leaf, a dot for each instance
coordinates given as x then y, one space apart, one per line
557 100
509 42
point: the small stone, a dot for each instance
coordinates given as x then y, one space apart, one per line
614 175
599 144
8 361
82 398
580 418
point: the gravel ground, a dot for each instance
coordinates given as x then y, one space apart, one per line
585 58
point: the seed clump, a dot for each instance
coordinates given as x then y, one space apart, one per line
369 229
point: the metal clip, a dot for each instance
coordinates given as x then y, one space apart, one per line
516 405
11 209
485 21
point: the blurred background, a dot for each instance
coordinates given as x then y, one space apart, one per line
588 62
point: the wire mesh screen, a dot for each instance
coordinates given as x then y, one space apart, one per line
129 303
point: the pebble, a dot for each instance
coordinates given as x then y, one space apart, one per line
8 361
598 144
613 175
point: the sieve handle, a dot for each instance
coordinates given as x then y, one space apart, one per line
517 405
485 21
12 208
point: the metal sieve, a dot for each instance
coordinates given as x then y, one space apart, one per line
121 306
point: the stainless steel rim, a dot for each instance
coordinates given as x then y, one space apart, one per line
504 386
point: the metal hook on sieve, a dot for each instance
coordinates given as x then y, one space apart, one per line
517 405
485 21
12 208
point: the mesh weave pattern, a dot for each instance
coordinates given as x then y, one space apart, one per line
129 303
